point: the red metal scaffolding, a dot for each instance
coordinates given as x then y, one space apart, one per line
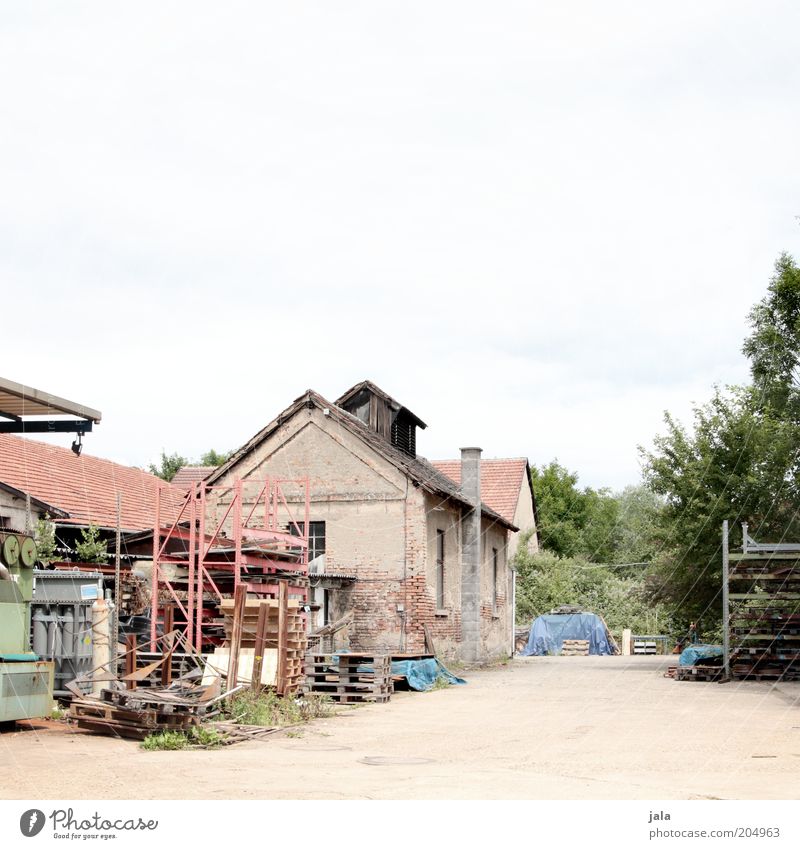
245 532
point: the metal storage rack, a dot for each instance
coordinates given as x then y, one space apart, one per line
761 608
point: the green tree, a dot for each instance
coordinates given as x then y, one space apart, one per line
169 466
91 549
214 458
638 534
738 462
574 521
773 347
45 537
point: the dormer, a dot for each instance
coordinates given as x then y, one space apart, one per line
381 413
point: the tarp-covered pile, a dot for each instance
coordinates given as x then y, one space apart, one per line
700 654
548 633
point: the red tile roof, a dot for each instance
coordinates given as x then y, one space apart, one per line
85 487
501 481
187 475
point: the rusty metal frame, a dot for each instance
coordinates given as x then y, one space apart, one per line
205 535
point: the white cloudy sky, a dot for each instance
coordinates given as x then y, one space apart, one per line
538 225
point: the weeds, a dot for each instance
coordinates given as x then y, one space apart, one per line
171 741
271 710
165 741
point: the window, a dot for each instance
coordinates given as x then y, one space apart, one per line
439 569
494 578
316 537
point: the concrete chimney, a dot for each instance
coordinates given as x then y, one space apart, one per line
471 555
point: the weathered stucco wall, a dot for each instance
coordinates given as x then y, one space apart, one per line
525 520
13 510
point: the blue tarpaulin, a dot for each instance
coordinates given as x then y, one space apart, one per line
548 632
422 674
699 651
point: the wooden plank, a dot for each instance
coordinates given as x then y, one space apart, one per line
260 643
283 636
429 645
239 597
130 661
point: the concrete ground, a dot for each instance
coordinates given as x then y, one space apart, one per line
536 728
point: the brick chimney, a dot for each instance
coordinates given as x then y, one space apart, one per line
471 555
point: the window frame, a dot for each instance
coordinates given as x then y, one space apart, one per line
440 570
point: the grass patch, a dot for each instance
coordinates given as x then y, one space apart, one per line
273 711
441 683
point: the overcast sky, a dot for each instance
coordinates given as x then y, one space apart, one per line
537 225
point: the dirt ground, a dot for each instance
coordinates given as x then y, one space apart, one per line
536 728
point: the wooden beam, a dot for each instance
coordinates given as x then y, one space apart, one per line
260 642
283 637
239 598
130 661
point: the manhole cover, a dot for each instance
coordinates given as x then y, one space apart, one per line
394 761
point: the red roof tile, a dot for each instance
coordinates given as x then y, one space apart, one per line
187 475
501 482
85 487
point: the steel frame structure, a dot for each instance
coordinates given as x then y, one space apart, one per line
265 540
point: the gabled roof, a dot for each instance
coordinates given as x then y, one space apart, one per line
187 475
418 469
342 400
501 481
84 487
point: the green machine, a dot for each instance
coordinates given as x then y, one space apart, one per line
26 683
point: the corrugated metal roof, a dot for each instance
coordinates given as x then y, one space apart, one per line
17 400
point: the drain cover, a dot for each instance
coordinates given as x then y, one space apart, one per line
394 761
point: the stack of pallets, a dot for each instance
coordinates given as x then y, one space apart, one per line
291 646
575 648
350 678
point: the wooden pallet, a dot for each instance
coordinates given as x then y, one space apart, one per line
350 678
698 673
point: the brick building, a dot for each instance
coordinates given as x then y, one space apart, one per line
393 538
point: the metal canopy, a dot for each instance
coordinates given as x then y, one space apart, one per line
17 401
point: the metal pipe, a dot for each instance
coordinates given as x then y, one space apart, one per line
726 613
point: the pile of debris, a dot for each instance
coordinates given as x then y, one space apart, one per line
138 713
